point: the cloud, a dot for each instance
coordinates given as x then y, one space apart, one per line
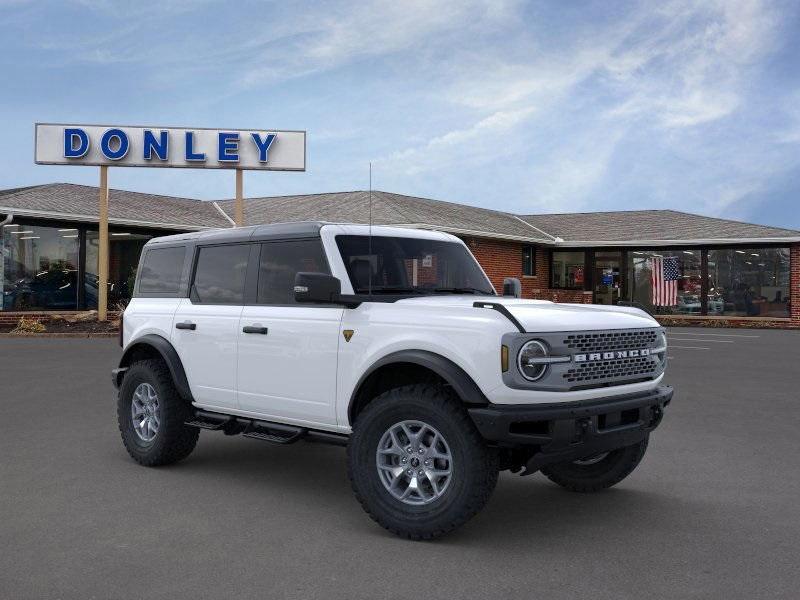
673 71
338 35
463 146
521 106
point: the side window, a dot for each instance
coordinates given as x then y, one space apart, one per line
529 260
280 262
161 271
220 274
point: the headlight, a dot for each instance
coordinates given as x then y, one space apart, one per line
532 360
661 347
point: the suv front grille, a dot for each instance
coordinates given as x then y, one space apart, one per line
618 368
592 359
610 340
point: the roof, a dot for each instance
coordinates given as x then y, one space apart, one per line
79 203
388 209
67 201
667 227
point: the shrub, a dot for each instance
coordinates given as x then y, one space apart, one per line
25 325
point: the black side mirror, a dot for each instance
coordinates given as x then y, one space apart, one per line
320 288
512 287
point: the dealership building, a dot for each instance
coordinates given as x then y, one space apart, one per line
718 271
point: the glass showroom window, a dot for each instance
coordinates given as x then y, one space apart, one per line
666 281
39 268
568 270
124 248
746 282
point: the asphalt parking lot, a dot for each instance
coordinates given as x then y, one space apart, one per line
712 512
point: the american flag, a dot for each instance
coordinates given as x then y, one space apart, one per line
664 277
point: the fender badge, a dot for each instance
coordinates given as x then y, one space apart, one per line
347 333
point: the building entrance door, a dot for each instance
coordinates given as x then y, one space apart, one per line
607 277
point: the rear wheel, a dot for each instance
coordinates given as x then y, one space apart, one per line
151 416
598 472
417 464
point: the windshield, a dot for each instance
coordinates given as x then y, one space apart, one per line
397 265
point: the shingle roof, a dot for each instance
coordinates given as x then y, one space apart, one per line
387 209
79 202
651 226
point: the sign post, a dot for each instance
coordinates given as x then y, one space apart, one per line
239 210
175 147
102 254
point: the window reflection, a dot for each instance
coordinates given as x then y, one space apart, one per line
654 285
125 248
568 270
39 268
747 282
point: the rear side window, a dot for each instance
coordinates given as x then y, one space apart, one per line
161 271
281 261
220 274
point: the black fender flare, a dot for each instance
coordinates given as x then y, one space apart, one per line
170 357
463 385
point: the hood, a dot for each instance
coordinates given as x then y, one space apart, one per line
545 316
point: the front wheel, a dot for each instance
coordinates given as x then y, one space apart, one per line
417 464
595 473
151 416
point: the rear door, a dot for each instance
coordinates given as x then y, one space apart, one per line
288 351
206 325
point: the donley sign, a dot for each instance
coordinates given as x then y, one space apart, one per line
178 147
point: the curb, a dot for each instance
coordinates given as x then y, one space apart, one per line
57 335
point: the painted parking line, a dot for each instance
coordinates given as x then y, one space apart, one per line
690 347
674 339
736 335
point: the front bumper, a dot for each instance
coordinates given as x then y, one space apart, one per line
567 431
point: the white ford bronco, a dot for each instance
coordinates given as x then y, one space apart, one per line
391 342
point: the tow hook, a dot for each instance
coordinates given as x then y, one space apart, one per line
581 427
658 413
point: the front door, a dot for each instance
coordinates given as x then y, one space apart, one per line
607 277
288 352
206 325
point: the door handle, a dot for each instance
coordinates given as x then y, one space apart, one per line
186 325
255 329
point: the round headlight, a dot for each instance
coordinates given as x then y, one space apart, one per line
529 358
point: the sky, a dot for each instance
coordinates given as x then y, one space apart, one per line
528 107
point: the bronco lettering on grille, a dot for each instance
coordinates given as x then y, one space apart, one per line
593 356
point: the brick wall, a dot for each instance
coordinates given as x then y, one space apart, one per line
502 259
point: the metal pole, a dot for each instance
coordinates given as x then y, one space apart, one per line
102 255
239 209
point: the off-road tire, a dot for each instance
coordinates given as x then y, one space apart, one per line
595 477
475 466
174 440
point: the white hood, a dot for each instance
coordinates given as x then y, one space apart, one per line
544 316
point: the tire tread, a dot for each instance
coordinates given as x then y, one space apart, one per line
178 439
483 462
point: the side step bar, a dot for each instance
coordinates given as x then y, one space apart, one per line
275 433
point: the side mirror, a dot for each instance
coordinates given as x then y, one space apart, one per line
512 287
320 288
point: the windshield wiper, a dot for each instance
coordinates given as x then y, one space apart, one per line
389 289
462 290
